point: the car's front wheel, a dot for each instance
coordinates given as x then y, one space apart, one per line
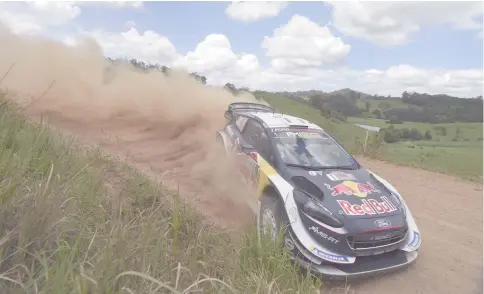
271 219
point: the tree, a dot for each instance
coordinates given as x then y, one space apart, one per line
316 101
377 113
405 95
428 135
231 88
391 135
199 78
415 134
367 106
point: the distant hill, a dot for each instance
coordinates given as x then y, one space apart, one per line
351 94
410 106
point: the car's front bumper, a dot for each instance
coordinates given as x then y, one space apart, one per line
363 267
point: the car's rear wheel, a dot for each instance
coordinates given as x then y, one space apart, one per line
220 142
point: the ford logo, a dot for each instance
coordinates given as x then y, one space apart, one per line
382 223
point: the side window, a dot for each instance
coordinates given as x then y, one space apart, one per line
255 135
240 123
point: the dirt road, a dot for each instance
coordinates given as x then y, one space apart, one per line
448 212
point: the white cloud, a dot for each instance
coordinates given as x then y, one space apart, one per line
35 17
393 23
130 24
396 79
114 4
252 11
214 58
303 43
147 46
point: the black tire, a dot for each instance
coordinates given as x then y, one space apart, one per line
273 205
218 139
220 142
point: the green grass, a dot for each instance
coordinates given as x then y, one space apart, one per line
377 104
76 221
445 154
468 132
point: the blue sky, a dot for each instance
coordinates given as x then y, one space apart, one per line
187 23
392 43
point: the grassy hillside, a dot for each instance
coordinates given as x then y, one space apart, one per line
76 221
381 105
461 157
411 106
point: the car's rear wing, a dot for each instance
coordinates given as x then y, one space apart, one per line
246 106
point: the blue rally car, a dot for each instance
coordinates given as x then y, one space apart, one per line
341 220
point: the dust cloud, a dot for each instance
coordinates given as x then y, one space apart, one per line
165 125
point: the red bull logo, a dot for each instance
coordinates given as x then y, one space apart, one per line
370 207
352 188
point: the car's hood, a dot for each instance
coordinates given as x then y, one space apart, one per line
348 194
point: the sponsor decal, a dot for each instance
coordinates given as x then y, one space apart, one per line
340 176
328 256
382 223
367 207
415 240
323 235
276 130
312 130
352 188
315 173
304 135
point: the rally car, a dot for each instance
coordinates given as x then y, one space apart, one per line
338 218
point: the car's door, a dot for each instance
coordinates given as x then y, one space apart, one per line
255 136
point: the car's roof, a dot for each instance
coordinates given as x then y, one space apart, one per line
279 120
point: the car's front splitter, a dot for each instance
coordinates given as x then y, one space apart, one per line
363 267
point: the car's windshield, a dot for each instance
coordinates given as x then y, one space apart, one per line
311 149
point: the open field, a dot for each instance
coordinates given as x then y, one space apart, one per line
468 132
444 153
462 157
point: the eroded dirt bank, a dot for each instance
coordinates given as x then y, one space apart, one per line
166 127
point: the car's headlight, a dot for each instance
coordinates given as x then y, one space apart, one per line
396 197
315 209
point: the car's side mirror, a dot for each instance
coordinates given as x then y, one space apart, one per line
246 148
